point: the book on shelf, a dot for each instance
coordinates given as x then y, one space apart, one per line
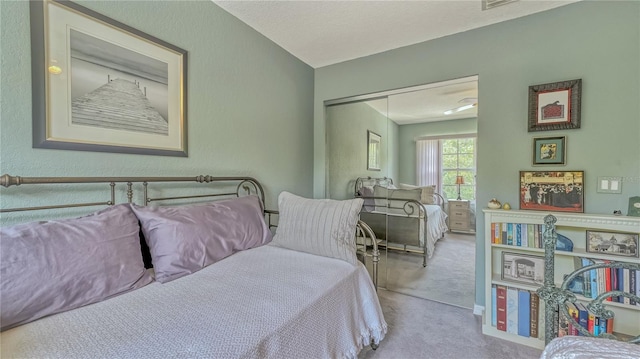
533 314
501 309
494 305
524 313
510 234
583 316
512 310
632 285
518 234
573 312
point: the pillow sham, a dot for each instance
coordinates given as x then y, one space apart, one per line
369 203
323 227
428 192
395 198
184 239
54 266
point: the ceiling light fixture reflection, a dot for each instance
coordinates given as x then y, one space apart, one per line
461 108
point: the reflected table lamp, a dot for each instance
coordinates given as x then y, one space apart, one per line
459 181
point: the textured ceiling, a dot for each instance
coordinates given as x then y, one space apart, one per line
322 33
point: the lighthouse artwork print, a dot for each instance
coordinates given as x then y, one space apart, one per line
100 85
555 106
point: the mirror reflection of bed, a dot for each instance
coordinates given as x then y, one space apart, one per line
420 256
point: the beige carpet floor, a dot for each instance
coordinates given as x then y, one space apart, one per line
449 276
419 328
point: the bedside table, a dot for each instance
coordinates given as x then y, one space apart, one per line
460 216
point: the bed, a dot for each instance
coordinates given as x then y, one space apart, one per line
585 345
409 218
236 291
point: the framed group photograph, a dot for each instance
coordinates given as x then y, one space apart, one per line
555 106
560 191
101 85
373 151
522 268
614 243
549 150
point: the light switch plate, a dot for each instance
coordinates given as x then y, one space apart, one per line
609 184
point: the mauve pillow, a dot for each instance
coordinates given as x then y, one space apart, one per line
185 239
51 267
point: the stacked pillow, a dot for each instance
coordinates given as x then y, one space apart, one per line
54 266
428 192
185 239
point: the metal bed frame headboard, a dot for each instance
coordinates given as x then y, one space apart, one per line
248 184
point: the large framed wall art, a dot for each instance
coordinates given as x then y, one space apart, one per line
101 85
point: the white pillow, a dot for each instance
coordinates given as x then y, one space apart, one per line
323 227
427 196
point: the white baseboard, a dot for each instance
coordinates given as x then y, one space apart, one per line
478 309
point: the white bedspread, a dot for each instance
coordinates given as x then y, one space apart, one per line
436 226
572 347
266 302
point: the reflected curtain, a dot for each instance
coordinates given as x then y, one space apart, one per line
428 163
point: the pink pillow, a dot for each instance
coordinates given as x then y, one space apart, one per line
184 239
51 267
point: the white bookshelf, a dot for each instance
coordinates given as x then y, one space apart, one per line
573 226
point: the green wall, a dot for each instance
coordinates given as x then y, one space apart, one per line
407 135
597 41
250 103
347 126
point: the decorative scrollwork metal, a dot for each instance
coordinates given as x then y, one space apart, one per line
556 298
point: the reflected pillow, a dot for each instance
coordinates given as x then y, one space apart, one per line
323 227
428 192
184 239
54 266
397 200
369 203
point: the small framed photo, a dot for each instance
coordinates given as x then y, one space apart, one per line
614 243
373 151
522 268
559 191
555 106
549 151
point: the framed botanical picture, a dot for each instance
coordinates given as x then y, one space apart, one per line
373 151
560 191
555 106
522 268
614 243
100 85
549 150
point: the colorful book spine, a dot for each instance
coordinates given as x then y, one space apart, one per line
533 315
632 285
573 312
603 326
586 276
524 313
626 285
510 234
501 310
518 234
512 310
531 236
607 278
494 306
583 316
504 233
